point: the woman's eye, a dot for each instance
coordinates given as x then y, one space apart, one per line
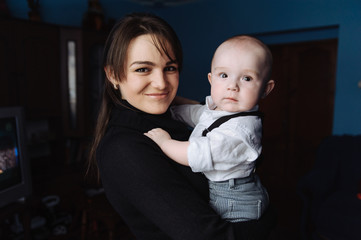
141 70
246 78
170 69
223 75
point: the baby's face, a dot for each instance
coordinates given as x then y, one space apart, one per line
237 75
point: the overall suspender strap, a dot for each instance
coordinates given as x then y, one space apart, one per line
223 119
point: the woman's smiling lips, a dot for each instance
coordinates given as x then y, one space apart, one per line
157 95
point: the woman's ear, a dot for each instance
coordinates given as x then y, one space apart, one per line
110 76
268 88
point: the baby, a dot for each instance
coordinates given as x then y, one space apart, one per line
226 150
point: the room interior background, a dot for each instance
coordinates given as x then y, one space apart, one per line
317 69
203 24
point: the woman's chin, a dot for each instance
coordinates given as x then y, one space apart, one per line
157 108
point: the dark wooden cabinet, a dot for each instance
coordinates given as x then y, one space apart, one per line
93 45
8 78
34 74
30 72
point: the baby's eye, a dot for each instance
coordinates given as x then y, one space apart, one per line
246 78
142 70
223 75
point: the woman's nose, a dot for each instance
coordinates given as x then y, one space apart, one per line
159 80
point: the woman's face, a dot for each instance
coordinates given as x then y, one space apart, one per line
151 78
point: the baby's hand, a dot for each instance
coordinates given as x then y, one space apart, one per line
158 135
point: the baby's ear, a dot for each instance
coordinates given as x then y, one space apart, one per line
268 88
210 78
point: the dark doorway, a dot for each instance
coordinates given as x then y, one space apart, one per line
298 115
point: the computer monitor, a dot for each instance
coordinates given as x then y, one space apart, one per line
15 173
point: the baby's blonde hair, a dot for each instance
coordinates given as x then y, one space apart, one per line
253 40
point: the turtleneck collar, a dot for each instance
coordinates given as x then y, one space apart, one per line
128 116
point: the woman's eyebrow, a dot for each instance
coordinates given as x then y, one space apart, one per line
171 62
142 63
150 63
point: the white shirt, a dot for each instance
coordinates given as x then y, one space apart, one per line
228 151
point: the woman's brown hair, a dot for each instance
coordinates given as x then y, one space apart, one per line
114 58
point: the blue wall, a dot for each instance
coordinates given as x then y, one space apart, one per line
204 24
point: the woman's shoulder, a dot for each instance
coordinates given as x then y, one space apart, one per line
118 138
124 143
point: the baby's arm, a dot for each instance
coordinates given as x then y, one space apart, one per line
176 150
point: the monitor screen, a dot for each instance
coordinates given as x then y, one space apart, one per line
15 179
10 169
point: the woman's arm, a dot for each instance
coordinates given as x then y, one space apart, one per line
135 169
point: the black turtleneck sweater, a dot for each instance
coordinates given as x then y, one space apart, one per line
156 197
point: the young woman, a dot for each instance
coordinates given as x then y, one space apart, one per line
156 197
